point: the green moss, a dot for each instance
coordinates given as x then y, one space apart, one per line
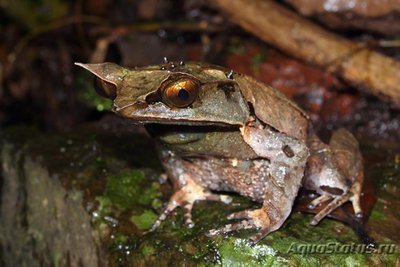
120 239
377 212
238 252
145 220
389 176
150 194
104 205
277 250
129 190
291 246
156 203
124 188
148 250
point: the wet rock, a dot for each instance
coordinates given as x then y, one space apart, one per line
43 223
88 198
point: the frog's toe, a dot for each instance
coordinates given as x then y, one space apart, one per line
239 215
356 190
352 195
319 200
355 201
335 203
216 197
167 210
252 219
246 223
331 206
187 214
242 225
185 198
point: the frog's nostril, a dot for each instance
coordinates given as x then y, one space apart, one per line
332 190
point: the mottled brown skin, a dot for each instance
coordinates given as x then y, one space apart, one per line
341 165
228 132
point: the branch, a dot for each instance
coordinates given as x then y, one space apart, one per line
300 38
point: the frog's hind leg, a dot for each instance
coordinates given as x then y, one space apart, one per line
353 195
349 160
335 172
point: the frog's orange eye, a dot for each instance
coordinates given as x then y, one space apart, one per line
180 93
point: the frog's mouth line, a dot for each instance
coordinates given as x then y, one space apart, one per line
187 123
203 128
185 134
176 122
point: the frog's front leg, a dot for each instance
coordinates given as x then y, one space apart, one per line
335 171
287 158
186 190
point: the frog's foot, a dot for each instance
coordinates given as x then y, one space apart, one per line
352 195
250 219
185 198
318 201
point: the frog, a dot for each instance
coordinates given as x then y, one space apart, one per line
218 131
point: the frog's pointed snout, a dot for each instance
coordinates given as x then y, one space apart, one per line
108 77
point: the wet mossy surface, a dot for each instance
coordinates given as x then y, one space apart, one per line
118 175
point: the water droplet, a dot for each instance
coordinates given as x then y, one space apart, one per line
162 33
229 75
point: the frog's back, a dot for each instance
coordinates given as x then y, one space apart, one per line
270 105
274 108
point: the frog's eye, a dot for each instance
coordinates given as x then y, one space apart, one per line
180 93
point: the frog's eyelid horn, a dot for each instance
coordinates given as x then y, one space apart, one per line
105 84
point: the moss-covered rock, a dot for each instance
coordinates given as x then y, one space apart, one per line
88 198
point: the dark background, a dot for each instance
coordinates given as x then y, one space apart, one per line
40 41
